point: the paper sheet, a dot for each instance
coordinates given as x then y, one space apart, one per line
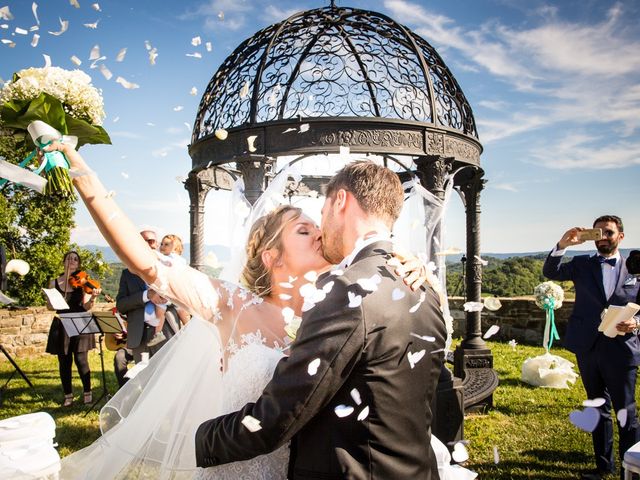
616 314
55 298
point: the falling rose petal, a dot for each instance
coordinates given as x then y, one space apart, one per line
121 54
178 108
64 25
354 300
496 455
35 40
193 91
5 13
586 419
595 403
513 343
96 7
415 357
370 284
92 25
311 276
127 85
125 175
355 394
621 415
284 296
208 46
74 3
252 424
221 134
491 331
17 266
343 410
194 55
195 41
460 453
76 60
251 143
105 72
363 414
397 294
244 91
47 60
313 366
473 306
426 338
21 31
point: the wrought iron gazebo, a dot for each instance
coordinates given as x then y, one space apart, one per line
341 77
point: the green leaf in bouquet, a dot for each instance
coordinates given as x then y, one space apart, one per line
20 113
86 132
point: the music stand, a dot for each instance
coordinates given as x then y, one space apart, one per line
82 323
16 369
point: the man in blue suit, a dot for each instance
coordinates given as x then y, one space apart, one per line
608 366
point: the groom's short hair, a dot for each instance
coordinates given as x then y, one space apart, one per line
376 188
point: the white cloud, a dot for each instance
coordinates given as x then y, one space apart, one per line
234 12
87 235
273 14
503 186
125 134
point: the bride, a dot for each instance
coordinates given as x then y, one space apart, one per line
219 362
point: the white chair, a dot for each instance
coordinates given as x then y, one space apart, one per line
631 461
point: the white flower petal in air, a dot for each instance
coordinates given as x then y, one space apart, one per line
426 338
473 306
460 453
96 7
126 84
251 143
35 40
313 366
354 300
178 108
153 54
105 72
64 25
492 303
125 175
363 414
285 285
288 314
8 42
221 134
304 128
34 28
193 91
311 276
195 41
76 60
622 415
491 331
355 394
74 3
92 25
415 357
343 410
244 91
6 300
328 287
150 124
496 455
252 424
194 55
208 46
370 284
513 343
397 294
21 31
121 54
284 296
5 13
587 419
47 60
95 53
17 266
595 403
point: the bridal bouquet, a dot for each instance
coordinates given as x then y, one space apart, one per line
50 104
549 297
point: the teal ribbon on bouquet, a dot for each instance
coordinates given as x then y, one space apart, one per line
550 330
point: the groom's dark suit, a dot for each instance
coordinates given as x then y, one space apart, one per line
608 366
367 360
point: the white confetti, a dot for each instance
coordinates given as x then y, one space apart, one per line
286 285
304 128
311 276
513 343
121 54
195 41
153 54
244 91
397 294
355 394
370 284
127 85
460 453
337 272
284 296
496 455
125 175
178 108
492 303
76 60
354 300
5 13
147 44
95 53
96 7
17 266
221 16
415 357
288 130
221 134
491 331
74 3
105 72
313 366
21 31
252 424
4 26
363 414
92 25
208 46
35 39
595 403
64 25
94 64
194 55
47 60
34 28
116 119
473 306
187 125
343 410
251 143
415 308
621 415
193 91
426 338
587 419
328 287
288 314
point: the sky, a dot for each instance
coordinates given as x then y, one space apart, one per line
554 87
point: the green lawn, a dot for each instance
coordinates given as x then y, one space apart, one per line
529 426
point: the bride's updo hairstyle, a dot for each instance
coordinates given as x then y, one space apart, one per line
266 233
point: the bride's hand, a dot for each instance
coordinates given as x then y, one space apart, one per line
76 162
411 268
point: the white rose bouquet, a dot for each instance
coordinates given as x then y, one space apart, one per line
549 297
61 99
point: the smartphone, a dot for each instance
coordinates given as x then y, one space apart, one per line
594 234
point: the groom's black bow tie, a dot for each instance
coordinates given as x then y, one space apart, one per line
610 261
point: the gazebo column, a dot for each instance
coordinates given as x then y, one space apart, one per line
198 190
448 406
254 172
472 358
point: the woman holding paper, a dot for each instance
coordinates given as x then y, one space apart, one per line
59 343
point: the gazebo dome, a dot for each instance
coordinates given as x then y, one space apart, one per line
342 65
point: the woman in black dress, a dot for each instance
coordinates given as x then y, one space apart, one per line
74 348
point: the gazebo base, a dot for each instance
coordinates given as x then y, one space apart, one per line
480 380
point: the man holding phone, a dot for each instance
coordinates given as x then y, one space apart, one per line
608 366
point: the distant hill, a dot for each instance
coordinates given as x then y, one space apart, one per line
222 252
543 254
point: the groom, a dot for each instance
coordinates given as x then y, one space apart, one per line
353 396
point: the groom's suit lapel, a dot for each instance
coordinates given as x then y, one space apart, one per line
376 248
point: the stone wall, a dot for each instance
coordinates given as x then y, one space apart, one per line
24 332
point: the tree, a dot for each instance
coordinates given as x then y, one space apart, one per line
36 229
